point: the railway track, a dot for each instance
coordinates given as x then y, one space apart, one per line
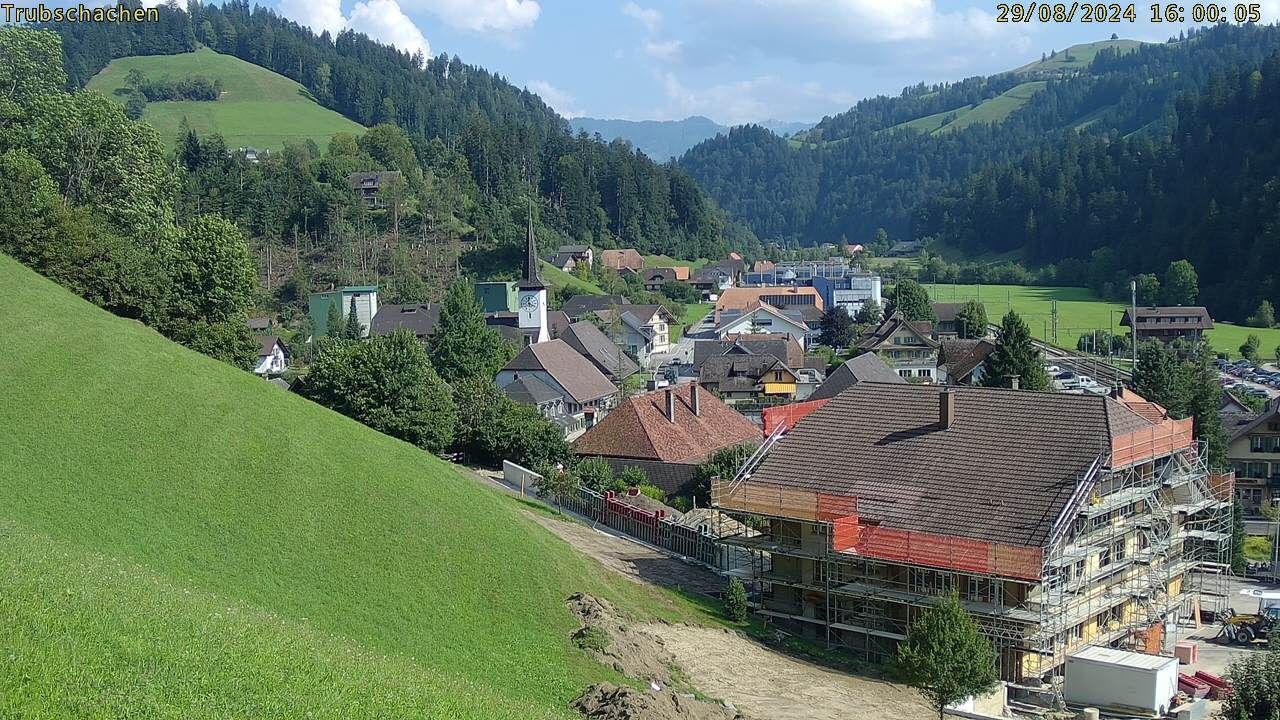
1080 363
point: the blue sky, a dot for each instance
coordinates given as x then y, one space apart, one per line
734 61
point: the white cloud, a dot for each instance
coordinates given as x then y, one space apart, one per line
561 101
666 51
501 16
648 17
382 20
743 101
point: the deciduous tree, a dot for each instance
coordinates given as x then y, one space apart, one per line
945 658
912 300
838 330
1181 284
971 321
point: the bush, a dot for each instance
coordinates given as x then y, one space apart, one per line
595 474
652 491
735 601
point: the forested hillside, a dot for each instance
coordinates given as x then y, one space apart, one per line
493 144
872 166
1209 192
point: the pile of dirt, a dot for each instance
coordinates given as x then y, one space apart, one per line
608 638
607 701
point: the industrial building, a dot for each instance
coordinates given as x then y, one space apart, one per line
1061 521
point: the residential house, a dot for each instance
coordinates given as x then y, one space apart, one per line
742 299
667 434
734 263
641 329
655 278
908 347
366 303
371 185
527 389
587 394
867 367
945 326
849 292
625 259
711 281
496 296
1059 520
1254 452
418 318
260 325
1170 323
568 257
780 346
763 318
580 306
763 266
963 362
591 342
739 378
273 356
253 155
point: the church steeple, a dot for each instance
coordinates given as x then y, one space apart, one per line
532 278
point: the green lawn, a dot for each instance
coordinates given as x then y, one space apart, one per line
559 278
668 261
1079 312
928 123
1081 56
258 108
179 539
996 109
692 314
1257 548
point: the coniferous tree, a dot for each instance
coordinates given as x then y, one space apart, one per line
1249 350
333 320
462 345
1015 356
735 601
1156 376
353 329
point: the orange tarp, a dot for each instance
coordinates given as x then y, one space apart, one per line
1156 441
786 416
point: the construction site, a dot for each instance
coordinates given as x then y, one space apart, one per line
1060 522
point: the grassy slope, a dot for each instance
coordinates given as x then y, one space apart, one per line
1079 311
559 278
258 108
668 261
1081 55
181 539
997 108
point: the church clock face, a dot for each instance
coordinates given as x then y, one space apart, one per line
529 302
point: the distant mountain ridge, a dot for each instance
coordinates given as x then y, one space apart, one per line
666 139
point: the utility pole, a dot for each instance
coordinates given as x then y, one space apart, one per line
1054 313
1133 322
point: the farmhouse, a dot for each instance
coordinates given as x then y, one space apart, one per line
1170 323
371 185
1060 520
908 347
1254 452
667 434
625 259
273 357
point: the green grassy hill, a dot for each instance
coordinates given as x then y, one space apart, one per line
180 539
258 108
558 278
1077 57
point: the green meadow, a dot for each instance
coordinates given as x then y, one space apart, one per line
258 108
180 539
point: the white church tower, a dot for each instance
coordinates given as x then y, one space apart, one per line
532 296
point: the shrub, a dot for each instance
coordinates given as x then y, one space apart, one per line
735 601
592 637
652 491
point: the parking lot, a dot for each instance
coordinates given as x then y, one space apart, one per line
1243 377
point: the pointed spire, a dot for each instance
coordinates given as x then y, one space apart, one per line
532 278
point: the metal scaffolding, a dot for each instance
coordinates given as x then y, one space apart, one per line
1144 543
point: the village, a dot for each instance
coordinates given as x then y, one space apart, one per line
848 489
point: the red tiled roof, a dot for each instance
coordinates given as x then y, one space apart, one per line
639 428
619 259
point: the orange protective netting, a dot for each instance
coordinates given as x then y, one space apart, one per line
1158 440
781 501
786 416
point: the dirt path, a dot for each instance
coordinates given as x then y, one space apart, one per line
631 559
770 686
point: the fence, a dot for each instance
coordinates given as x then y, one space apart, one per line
611 510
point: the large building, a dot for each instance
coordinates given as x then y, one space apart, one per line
1170 323
1060 520
365 298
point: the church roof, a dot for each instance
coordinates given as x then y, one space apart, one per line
532 278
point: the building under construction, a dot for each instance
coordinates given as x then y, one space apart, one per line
1059 520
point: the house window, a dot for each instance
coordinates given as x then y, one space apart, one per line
930 582
981 590
1076 634
1255 443
1117 550
1104 557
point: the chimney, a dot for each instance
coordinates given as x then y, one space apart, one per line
1117 390
671 405
946 408
1014 381
693 398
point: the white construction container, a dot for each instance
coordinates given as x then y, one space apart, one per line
1109 678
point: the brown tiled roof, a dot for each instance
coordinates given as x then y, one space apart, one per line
1178 317
418 318
1003 472
744 298
678 273
716 371
268 343
591 342
619 259
867 367
639 428
961 357
580 306
583 381
947 312
779 345
886 329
